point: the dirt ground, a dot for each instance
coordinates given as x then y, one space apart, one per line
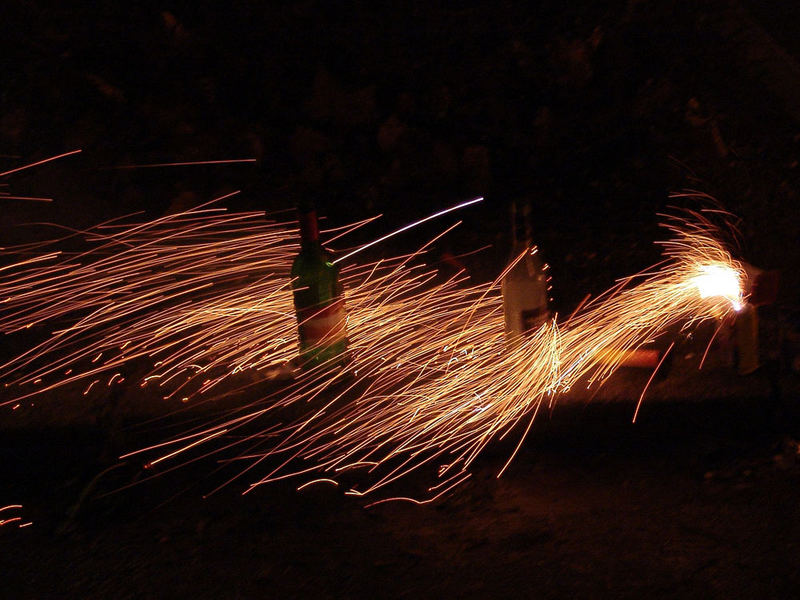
593 115
697 499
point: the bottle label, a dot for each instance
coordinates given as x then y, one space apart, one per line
532 319
323 326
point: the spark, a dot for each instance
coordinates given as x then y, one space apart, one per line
185 287
443 384
203 296
40 162
28 198
717 280
409 226
10 520
229 161
332 482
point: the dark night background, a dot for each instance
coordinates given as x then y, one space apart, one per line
593 112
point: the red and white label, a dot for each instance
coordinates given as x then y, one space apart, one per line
324 326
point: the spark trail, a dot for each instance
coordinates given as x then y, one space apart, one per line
182 292
204 295
445 397
436 382
199 296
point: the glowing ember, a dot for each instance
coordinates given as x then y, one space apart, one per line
720 281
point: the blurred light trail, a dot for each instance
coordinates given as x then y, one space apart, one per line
203 295
40 162
444 384
6 520
407 227
28 198
230 161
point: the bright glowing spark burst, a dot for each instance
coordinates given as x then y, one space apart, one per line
204 295
719 281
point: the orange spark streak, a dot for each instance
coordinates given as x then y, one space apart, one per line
41 162
28 198
11 520
316 481
229 161
409 226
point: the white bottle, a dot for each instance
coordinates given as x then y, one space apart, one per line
525 285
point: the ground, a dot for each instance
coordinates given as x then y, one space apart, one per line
594 116
695 500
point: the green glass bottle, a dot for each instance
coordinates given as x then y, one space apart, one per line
318 299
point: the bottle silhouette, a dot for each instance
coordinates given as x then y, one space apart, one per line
318 299
524 286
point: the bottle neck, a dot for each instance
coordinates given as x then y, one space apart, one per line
309 228
521 224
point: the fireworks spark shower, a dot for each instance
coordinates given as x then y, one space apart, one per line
443 400
200 295
203 295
